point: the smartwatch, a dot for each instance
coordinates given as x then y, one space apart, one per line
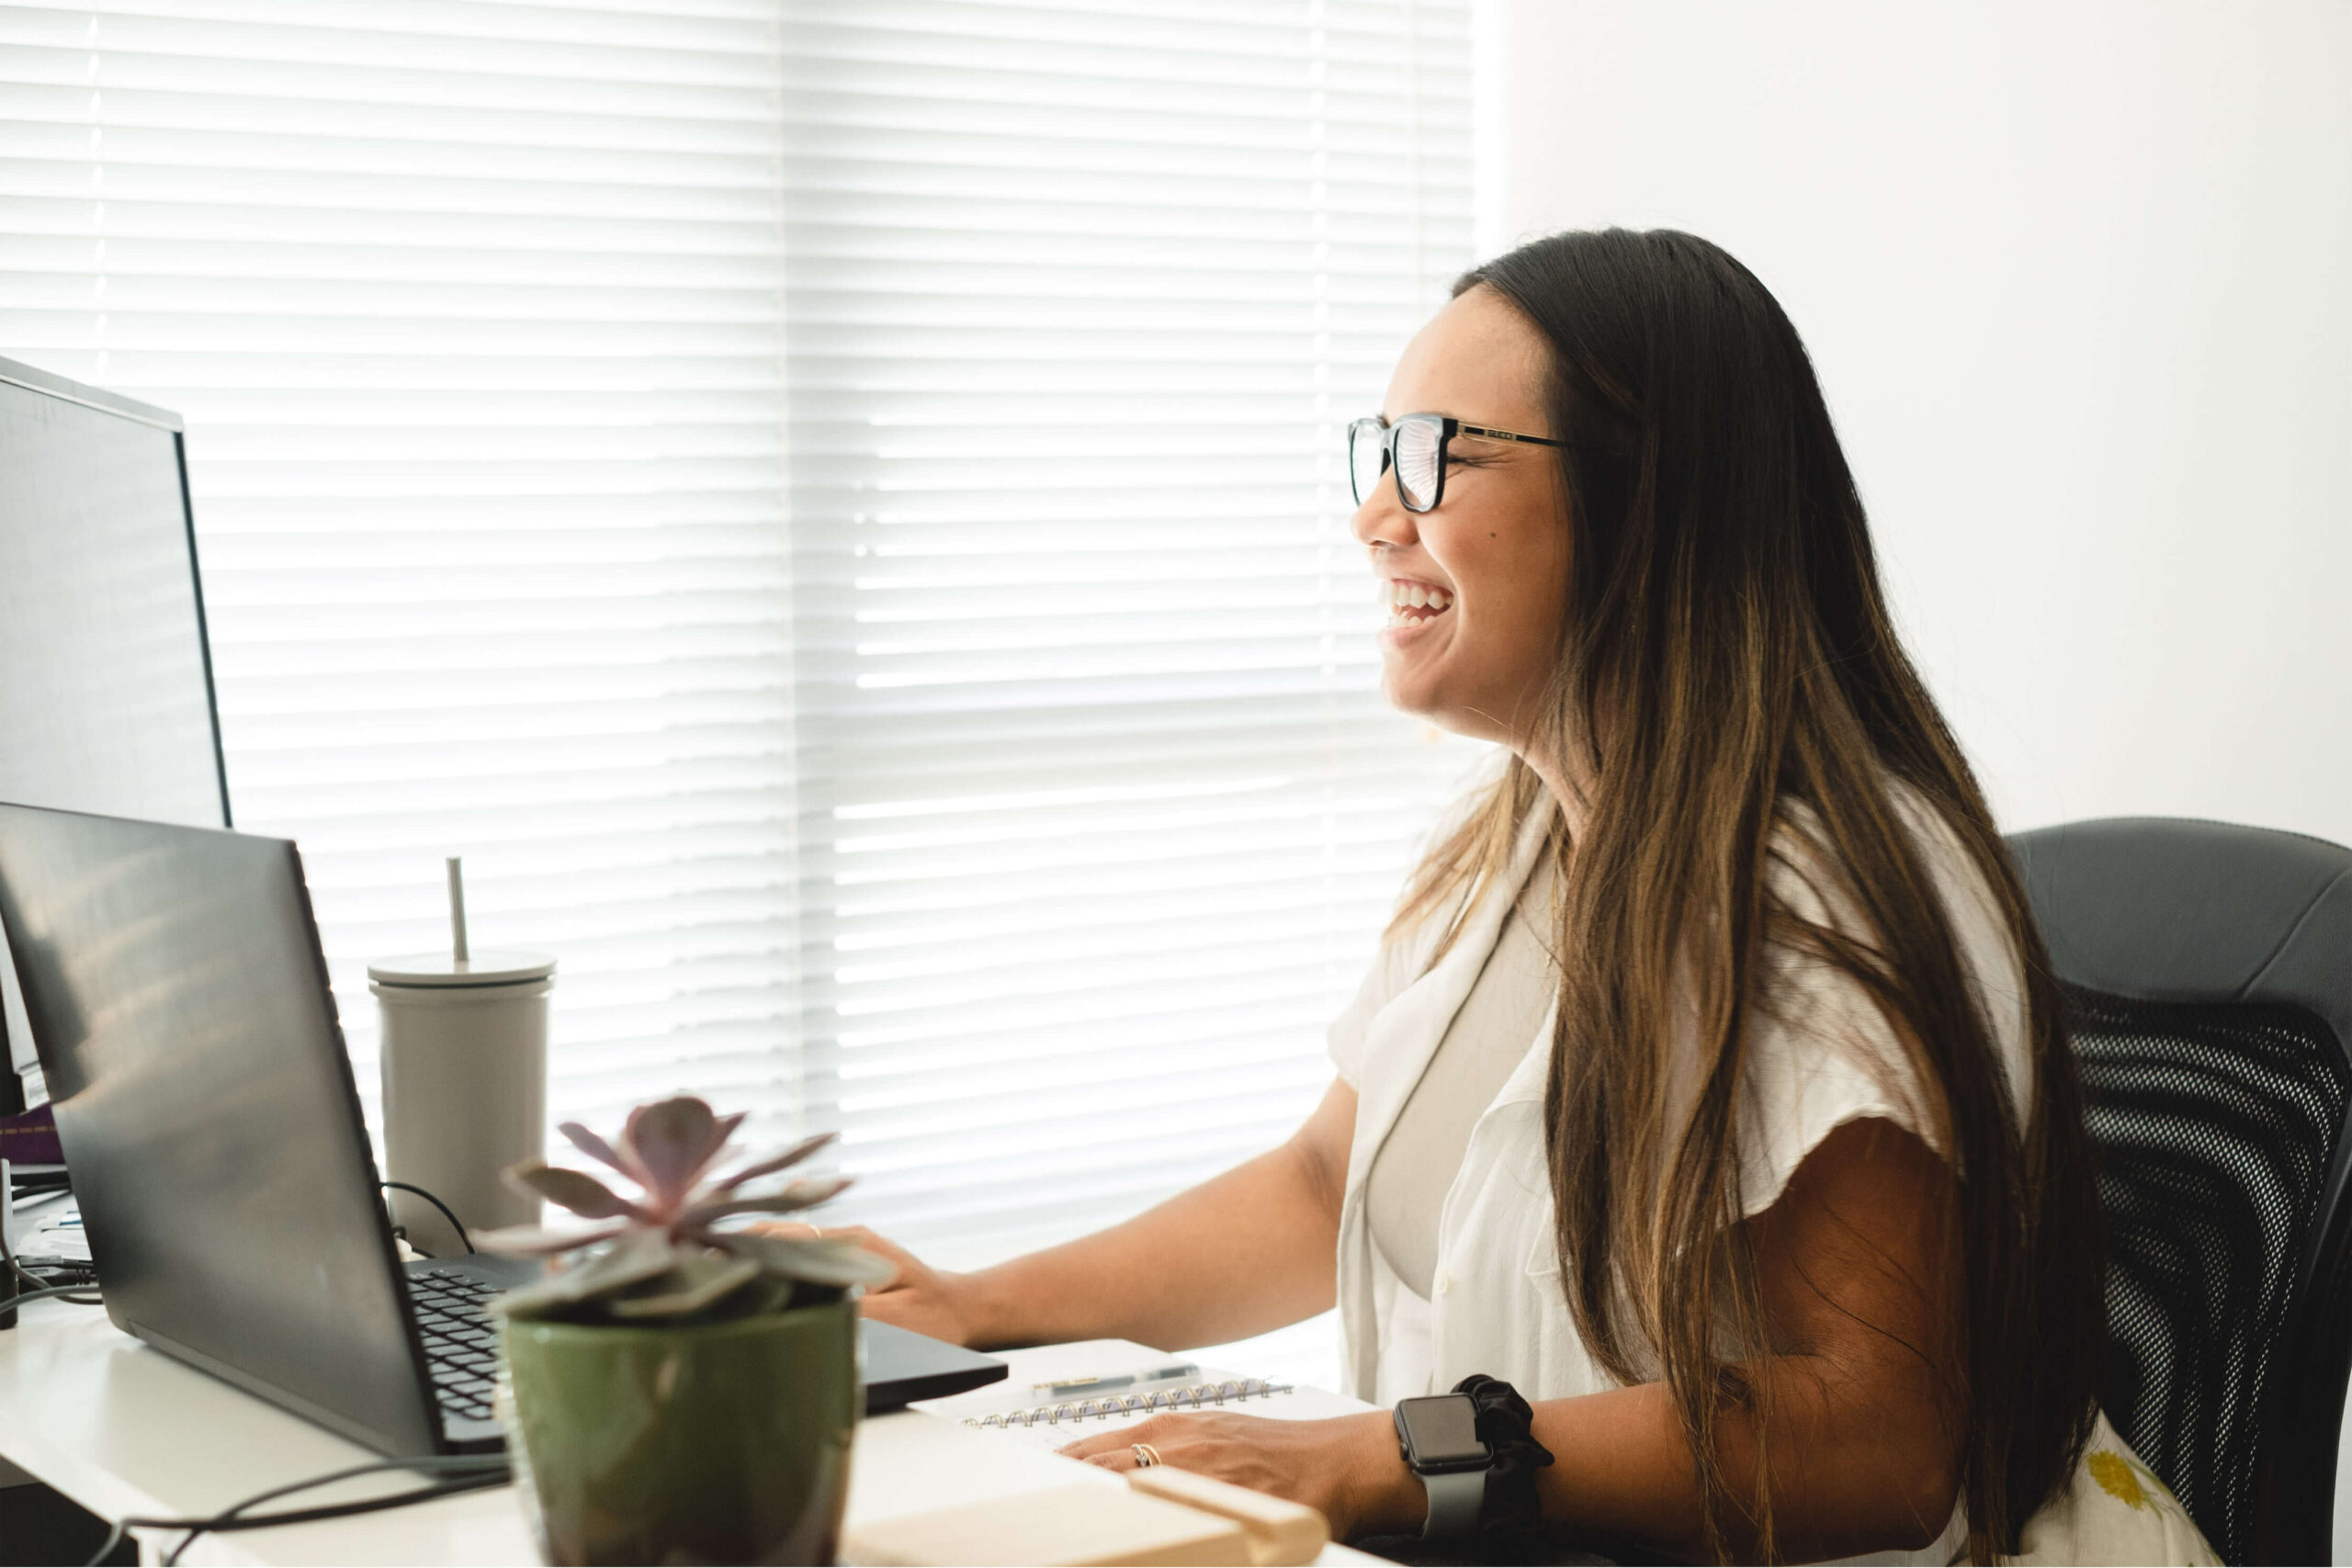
1439 1436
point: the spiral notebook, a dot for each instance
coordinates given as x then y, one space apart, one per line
1011 1408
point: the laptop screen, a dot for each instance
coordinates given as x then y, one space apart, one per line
172 979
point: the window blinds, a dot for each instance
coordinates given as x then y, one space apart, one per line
1101 810
835 507
471 310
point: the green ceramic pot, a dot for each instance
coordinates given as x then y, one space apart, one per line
724 1443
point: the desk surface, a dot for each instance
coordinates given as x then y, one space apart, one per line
124 1430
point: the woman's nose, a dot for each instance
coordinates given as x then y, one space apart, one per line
1381 521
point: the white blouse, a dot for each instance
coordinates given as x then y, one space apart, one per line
1404 1193
1821 1056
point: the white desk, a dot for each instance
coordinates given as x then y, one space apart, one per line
124 1430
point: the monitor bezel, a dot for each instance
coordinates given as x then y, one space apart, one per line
32 379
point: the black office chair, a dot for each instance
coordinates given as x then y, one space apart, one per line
2208 969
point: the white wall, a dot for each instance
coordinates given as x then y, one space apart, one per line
2078 281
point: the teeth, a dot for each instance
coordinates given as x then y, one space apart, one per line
1405 597
1418 596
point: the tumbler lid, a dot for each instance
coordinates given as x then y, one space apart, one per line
443 970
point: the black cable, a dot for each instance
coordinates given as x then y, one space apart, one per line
16 1274
427 1463
80 1274
21 1297
338 1510
40 1286
493 1471
224 1525
463 1239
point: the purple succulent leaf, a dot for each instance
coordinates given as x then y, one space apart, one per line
719 1150
791 1200
674 1140
697 1284
771 1165
638 1256
596 1148
539 1241
574 1190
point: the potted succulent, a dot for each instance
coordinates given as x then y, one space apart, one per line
683 1389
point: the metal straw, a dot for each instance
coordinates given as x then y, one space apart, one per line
457 911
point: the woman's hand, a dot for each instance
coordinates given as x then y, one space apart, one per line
926 1300
1349 1467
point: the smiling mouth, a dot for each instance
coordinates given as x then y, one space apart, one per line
1415 603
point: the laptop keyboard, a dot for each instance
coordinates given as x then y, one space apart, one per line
460 1341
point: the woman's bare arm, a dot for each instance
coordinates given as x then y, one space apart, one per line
1864 1443
1246 1252
1862 1382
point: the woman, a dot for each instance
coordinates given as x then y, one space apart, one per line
1708 1090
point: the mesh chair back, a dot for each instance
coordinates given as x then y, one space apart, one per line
2216 1128
2209 974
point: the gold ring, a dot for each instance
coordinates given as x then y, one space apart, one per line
1146 1455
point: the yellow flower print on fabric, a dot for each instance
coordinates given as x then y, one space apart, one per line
2113 1474
2139 1488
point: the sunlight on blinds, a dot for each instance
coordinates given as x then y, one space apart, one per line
471 312
1101 809
834 507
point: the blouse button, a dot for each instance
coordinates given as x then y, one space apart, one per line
1444 1284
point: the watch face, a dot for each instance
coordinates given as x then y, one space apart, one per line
1440 1429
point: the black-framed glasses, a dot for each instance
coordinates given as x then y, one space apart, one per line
1415 446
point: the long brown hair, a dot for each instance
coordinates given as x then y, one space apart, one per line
1727 660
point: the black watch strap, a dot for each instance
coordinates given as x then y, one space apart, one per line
1505 1425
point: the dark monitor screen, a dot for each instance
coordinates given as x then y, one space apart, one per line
105 685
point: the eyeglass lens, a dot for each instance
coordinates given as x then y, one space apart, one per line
1418 443
1367 456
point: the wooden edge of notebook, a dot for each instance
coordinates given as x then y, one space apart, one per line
1069 1525
1280 1532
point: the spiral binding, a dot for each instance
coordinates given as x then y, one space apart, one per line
1198 1397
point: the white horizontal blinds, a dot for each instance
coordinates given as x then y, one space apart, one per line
1101 809
471 310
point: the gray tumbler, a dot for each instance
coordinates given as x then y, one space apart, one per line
465 1058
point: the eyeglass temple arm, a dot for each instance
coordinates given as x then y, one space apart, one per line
1508 435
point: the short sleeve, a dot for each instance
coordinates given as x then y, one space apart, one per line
1821 1054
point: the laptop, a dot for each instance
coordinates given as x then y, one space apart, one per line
178 999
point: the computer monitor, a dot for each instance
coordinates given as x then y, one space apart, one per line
105 678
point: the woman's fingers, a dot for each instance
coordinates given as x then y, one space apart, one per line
1332 1465
1120 1441
791 1230
1206 1440
911 1268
